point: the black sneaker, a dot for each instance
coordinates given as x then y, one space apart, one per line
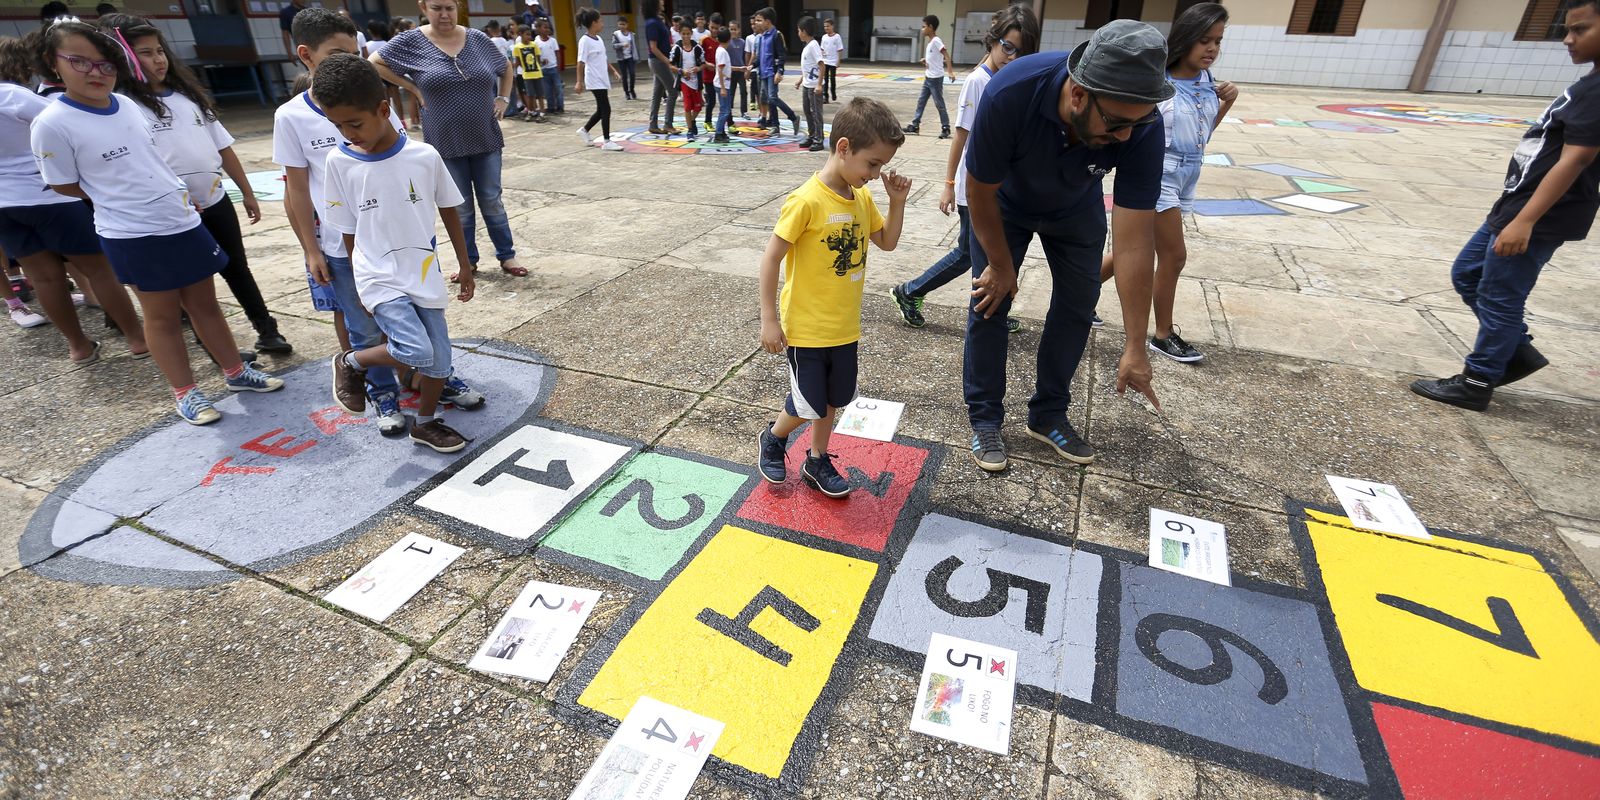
988 450
1175 348
273 344
770 453
944 133
1096 322
1526 361
910 307
1013 324
912 129
816 147
1066 442
818 471
1464 390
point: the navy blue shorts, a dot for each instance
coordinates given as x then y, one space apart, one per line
164 263
65 229
820 377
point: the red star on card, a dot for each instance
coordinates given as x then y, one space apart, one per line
695 738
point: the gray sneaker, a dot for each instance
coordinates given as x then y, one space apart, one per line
988 450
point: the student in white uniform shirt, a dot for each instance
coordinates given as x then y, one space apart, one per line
832 49
383 193
193 142
936 65
95 144
810 82
594 75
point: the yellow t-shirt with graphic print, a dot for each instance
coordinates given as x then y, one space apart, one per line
820 305
526 55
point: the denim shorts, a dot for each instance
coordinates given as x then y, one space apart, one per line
1180 176
417 336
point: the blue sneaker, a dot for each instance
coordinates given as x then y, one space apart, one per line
254 380
457 393
196 408
1066 442
818 471
771 452
386 412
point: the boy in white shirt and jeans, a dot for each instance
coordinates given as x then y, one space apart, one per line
810 83
936 60
382 192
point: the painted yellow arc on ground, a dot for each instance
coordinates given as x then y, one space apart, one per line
1479 664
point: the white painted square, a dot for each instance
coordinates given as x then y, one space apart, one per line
385 584
555 469
1326 205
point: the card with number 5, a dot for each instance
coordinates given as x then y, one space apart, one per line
656 753
966 693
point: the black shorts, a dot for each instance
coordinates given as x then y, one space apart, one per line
820 377
65 229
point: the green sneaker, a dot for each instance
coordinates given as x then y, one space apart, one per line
910 307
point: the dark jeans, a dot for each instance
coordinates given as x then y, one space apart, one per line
830 77
726 116
666 86
602 112
479 176
932 87
626 67
1072 247
222 220
738 86
1496 288
774 102
555 101
955 263
709 92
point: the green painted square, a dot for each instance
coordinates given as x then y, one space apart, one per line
647 515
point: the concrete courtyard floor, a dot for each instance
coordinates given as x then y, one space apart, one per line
641 312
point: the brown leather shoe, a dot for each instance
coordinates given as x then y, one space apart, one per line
349 385
439 436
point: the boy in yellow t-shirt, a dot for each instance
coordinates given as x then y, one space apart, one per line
821 239
530 76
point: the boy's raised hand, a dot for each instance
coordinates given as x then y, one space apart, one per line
898 186
772 339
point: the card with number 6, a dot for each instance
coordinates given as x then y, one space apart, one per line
656 753
966 693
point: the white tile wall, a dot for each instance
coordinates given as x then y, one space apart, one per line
1495 63
899 52
1372 59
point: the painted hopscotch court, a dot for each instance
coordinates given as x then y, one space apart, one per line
1450 667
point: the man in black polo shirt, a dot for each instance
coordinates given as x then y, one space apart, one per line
1050 127
286 19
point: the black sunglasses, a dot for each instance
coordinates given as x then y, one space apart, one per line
1114 124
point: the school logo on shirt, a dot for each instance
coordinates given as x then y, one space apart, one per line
161 126
324 143
114 153
198 122
411 194
369 204
845 243
335 204
44 155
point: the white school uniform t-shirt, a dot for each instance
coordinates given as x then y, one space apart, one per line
547 51
502 45
933 59
302 136
724 69
810 58
191 146
832 46
20 182
109 152
966 115
592 55
390 202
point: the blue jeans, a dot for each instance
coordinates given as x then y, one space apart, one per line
770 92
418 337
553 99
1496 288
363 328
1073 244
479 175
726 116
932 87
956 262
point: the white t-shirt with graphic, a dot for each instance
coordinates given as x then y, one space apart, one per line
810 58
966 115
592 58
832 46
933 59
191 146
390 201
20 182
724 68
109 153
302 136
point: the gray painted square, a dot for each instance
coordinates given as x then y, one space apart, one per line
1309 727
1059 659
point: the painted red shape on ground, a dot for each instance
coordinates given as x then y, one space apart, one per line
1440 758
281 448
221 468
864 518
329 419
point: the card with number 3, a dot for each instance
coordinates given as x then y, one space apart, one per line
966 693
656 753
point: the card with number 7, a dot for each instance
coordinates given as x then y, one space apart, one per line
966 693
656 753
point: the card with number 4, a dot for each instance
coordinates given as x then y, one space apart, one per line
1377 507
966 693
656 753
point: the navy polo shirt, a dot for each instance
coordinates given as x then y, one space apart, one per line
286 15
656 31
1020 141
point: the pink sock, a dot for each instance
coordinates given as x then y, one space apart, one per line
14 303
235 372
179 392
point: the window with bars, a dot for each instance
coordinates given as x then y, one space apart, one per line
1327 17
1541 21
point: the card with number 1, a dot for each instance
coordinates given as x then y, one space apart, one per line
656 753
966 693
385 584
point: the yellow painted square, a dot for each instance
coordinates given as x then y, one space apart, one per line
1401 654
673 657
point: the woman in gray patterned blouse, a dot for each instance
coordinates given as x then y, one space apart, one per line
465 85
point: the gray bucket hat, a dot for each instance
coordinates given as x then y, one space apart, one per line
1124 60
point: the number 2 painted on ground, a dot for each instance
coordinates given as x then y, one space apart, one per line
646 493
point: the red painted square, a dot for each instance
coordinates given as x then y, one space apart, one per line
1441 758
882 474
